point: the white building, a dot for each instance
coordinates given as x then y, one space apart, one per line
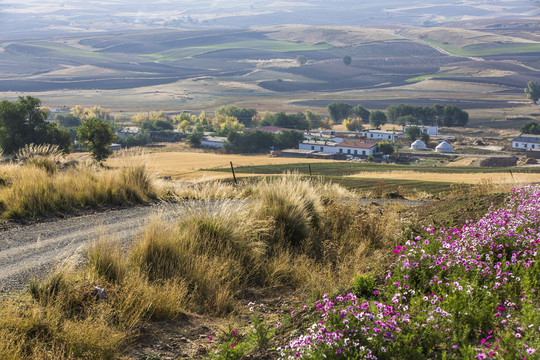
418 145
527 142
374 134
347 147
430 130
215 142
444 147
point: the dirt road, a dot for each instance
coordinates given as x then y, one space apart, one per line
33 250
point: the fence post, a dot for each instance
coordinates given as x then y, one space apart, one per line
310 175
234 176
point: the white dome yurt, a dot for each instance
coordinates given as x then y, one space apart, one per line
444 147
418 145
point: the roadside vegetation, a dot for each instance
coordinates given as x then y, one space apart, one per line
42 184
299 238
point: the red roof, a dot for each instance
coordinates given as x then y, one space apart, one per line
357 144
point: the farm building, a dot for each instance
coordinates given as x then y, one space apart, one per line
324 136
215 142
374 134
444 147
526 142
347 147
127 131
430 130
418 145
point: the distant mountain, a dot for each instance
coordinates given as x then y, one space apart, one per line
36 18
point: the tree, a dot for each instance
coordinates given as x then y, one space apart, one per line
347 60
533 91
339 111
531 128
413 133
243 115
292 121
352 124
377 118
385 147
301 59
315 120
425 137
184 124
287 139
454 116
23 123
195 138
97 136
68 120
362 113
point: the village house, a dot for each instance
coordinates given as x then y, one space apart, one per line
526 142
347 147
215 142
430 130
127 131
375 134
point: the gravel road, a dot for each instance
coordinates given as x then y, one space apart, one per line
28 251
32 250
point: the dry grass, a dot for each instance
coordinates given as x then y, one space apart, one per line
33 189
296 236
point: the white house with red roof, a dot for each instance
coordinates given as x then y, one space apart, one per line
347 147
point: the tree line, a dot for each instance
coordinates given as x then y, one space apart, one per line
402 114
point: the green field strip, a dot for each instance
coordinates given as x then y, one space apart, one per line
69 51
433 76
488 49
344 169
367 184
261 45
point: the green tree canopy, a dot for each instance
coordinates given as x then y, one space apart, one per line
301 59
533 91
97 136
195 138
23 122
243 115
347 60
68 120
385 147
413 133
339 111
290 121
362 113
315 120
377 118
531 127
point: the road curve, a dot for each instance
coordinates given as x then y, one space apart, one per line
33 250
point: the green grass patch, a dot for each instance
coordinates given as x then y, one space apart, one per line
343 169
262 45
69 51
433 76
488 49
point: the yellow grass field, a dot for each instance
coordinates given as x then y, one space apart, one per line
188 165
470 178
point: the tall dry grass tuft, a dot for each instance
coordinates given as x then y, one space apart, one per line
105 260
215 247
34 191
295 206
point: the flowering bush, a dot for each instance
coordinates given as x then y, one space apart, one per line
469 292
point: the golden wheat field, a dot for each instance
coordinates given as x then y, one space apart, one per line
190 165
